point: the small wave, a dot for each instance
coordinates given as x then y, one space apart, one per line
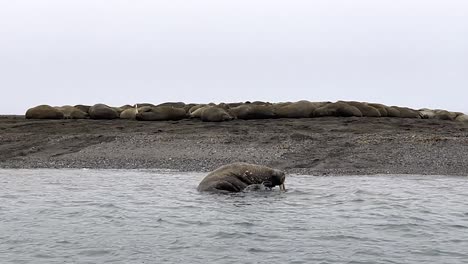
9 196
257 250
224 235
94 252
43 256
458 226
106 205
340 237
197 222
63 242
247 224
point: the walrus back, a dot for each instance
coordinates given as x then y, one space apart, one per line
235 177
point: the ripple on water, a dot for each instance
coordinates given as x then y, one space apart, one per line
120 216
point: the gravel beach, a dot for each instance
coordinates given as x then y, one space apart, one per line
315 146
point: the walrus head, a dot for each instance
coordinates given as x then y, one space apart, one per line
275 178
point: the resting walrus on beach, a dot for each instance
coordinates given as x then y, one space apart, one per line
236 177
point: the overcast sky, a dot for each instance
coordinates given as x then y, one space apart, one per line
398 52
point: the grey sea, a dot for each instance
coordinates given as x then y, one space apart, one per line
144 216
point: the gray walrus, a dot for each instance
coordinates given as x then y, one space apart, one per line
237 176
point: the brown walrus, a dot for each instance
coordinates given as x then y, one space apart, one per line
406 112
43 112
252 111
71 112
337 109
102 111
129 113
214 114
300 109
161 113
237 176
366 110
462 118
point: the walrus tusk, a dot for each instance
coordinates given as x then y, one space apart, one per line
282 188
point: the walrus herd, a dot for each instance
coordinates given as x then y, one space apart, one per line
229 111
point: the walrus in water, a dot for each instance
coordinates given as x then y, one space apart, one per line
236 177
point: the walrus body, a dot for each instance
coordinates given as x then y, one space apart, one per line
84 108
392 111
129 113
43 112
252 111
102 111
406 112
337 109
300 109
366 110
214 114
71 112
161 113
236 177
462 118
381 108
445 115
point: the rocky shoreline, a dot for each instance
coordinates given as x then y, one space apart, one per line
315 146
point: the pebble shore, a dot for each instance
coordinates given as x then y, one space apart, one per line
313 146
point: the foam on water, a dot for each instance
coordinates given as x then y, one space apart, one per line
144 216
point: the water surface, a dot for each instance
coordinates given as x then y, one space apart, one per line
122 216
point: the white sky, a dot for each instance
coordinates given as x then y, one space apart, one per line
398 52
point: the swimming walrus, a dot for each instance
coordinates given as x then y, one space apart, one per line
237 176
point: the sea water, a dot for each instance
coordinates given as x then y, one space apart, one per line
144 216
